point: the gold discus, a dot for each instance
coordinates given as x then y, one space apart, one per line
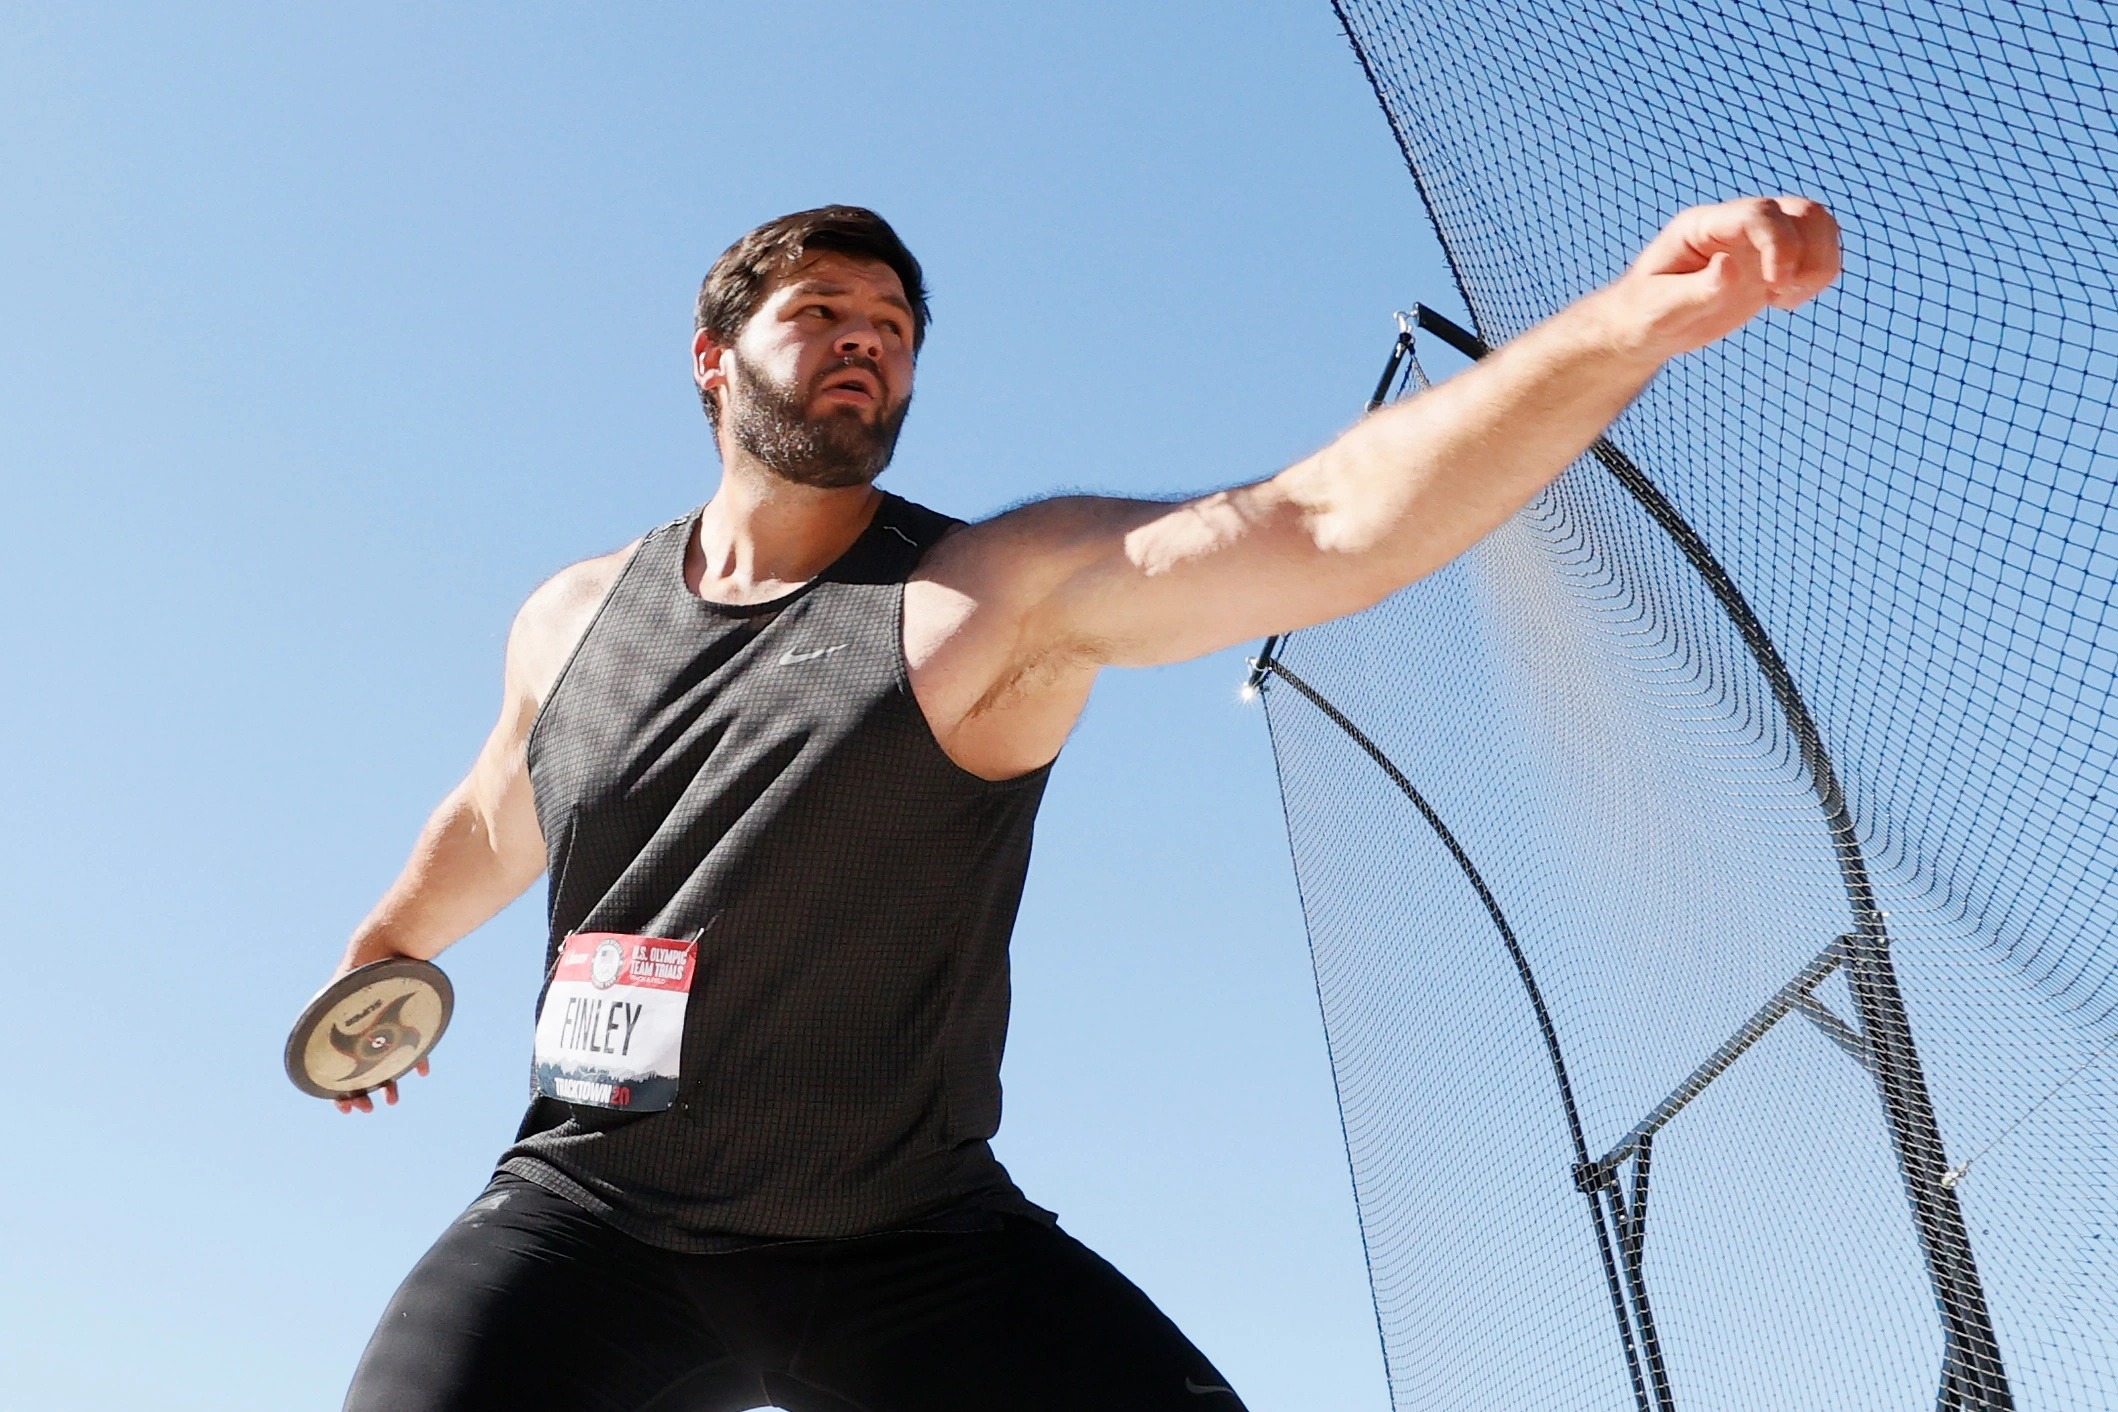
369 1026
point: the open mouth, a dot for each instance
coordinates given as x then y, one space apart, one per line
855 386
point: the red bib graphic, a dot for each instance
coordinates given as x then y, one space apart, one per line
611 1034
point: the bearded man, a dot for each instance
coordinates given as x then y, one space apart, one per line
780 758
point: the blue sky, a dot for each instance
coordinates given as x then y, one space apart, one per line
334 330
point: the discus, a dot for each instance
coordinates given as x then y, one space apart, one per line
371 1025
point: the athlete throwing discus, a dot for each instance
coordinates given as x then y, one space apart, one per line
779 759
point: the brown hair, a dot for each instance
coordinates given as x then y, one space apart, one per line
739 280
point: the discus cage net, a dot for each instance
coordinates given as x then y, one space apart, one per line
1710 877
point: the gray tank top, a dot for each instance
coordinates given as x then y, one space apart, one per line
761 777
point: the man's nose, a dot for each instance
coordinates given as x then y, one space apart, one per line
860 337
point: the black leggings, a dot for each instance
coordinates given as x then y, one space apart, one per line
530 1303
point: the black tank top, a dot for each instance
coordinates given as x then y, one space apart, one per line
761 777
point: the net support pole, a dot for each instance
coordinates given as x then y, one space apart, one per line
1624 1308
1973 1376
1632 1227
1786 998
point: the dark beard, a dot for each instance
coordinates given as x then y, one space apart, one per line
832 452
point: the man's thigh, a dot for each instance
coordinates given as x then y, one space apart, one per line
1025 1318
528 1303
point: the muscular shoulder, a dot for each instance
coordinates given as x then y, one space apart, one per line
553 619
978 575
999 679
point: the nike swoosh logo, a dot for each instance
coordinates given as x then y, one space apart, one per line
1190 1386
790 657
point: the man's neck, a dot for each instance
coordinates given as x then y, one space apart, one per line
761 536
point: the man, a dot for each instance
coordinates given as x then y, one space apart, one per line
781 759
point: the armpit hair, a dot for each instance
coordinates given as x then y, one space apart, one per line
1039 670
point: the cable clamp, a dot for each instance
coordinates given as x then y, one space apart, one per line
1260 673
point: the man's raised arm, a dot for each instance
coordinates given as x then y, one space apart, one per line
1083 582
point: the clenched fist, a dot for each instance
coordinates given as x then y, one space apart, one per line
1713 267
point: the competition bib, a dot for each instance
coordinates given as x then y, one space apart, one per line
611 1034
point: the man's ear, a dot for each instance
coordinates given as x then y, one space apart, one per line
708 365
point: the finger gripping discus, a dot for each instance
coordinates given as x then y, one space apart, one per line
371 1025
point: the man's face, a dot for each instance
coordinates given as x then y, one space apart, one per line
818 383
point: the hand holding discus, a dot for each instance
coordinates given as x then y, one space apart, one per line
367 1029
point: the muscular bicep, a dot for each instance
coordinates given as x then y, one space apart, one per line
1161 583
1113 582
1008 621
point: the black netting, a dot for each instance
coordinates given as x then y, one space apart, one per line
1904 1186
